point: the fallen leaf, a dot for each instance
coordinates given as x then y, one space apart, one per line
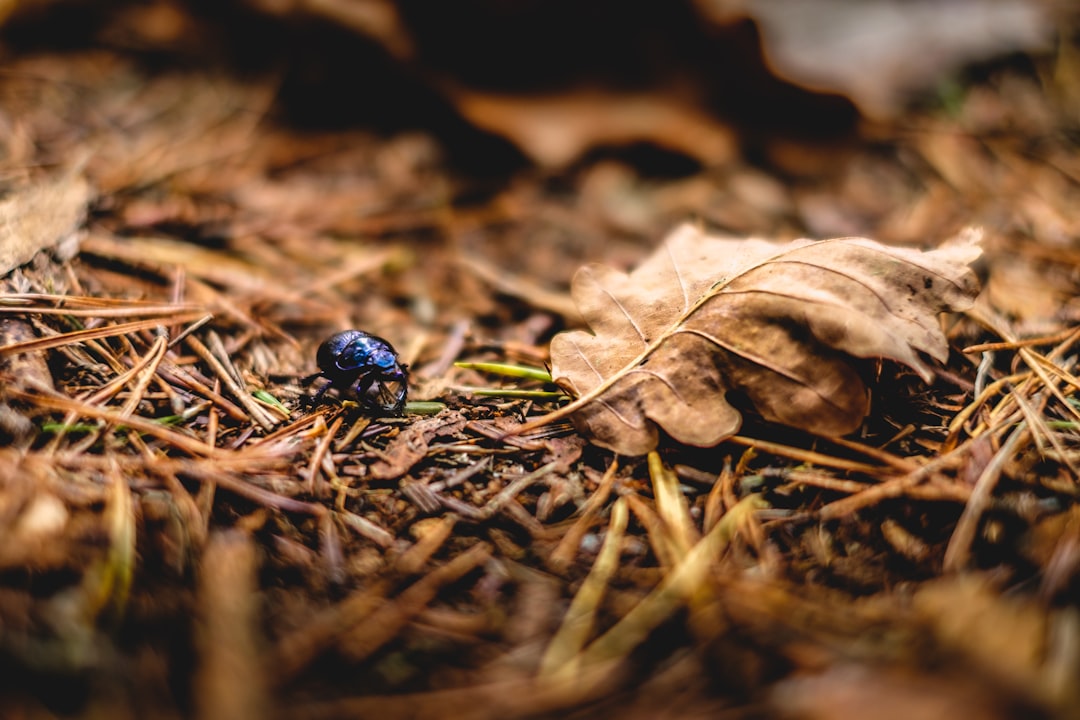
40 216
879 52
779 323
555 130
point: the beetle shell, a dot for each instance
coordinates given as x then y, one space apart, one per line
365 366
352 351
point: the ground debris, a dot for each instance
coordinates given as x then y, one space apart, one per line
182 535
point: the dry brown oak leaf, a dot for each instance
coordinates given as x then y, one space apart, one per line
780 323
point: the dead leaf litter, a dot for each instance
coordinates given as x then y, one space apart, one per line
181 536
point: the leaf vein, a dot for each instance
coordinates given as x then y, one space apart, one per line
762 363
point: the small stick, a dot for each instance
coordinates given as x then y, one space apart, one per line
1064 335
808 456
894 487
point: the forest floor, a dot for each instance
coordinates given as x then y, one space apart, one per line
183 536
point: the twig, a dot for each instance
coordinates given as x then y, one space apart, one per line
894 487
807 456
1064 335
959 548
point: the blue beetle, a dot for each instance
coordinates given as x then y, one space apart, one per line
365 367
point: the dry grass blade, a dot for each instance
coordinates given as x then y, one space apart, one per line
108 585
89 306
897 463
674 591
671 506
659 540
147 371
1042 433
821 480
1056 369
322 451
720 499
891 487
956 426
1068 335
807 456
142 371
74 306
581 615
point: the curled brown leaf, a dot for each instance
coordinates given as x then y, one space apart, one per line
779 323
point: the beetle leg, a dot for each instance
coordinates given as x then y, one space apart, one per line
310 401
